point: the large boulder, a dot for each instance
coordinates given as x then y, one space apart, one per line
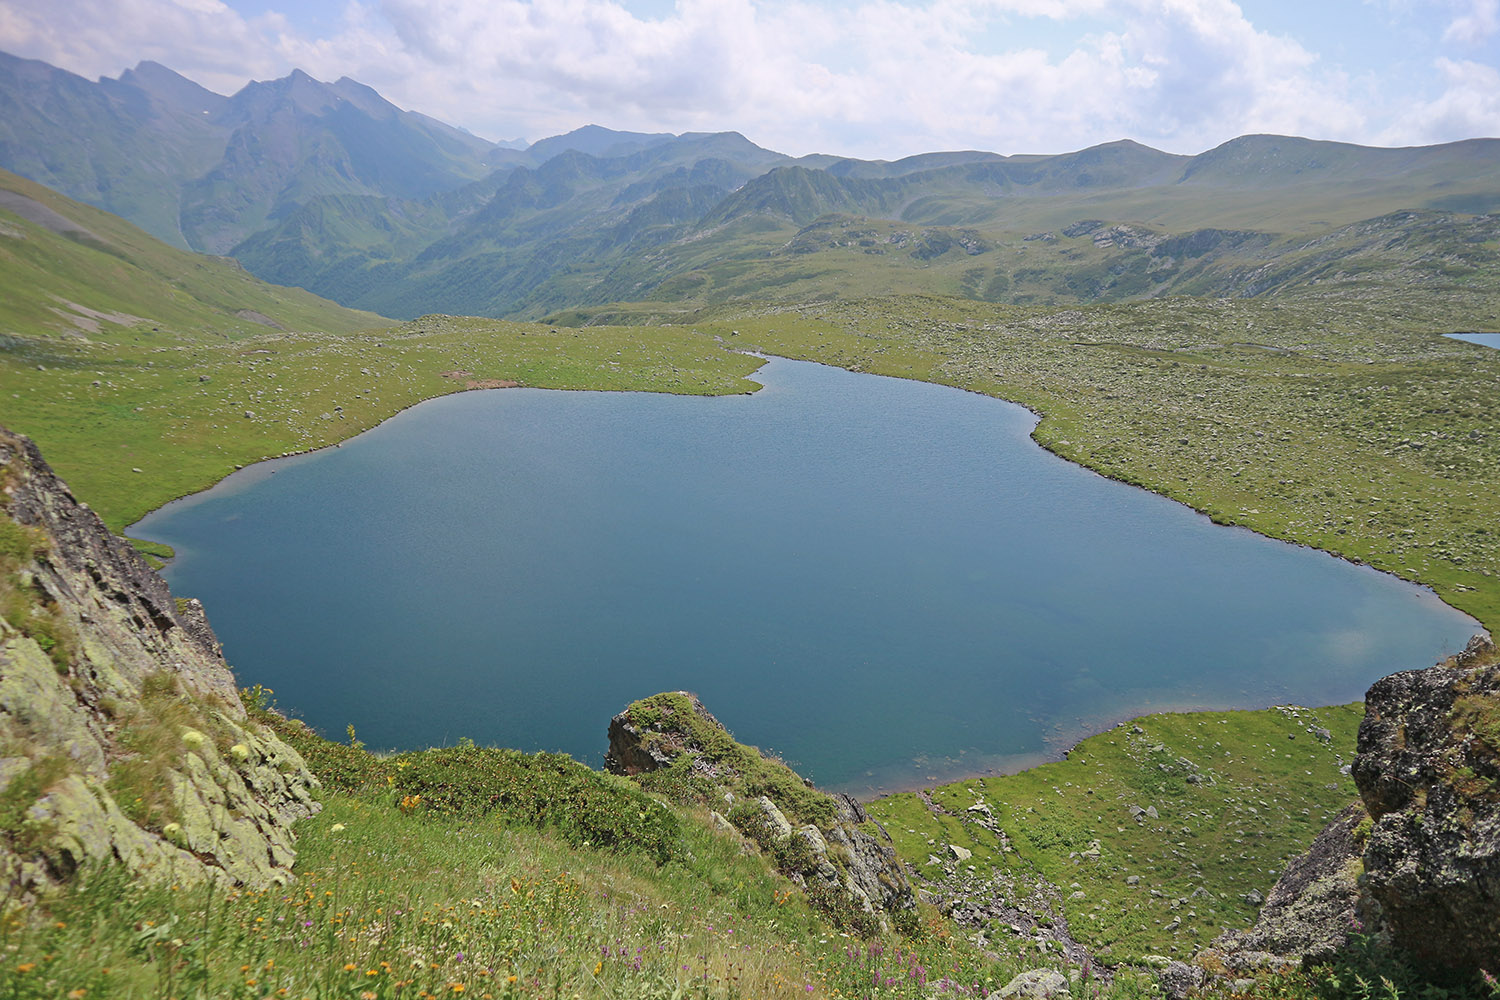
122 735
1313 908
1428 771
1416 862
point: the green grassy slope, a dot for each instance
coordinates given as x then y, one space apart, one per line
1232 797
62 262
120 354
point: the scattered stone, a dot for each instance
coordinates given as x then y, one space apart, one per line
1179 979
1038 984
960 853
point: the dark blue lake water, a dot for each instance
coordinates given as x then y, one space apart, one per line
885 581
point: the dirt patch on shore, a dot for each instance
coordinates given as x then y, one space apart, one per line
470 382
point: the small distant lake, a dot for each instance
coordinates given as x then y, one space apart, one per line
1484 339
885 581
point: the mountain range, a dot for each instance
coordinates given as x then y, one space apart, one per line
332 188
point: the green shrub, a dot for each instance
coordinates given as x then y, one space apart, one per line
542 790
537 790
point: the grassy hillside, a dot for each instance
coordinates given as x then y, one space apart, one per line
471 871
69 271
1230 796
146 373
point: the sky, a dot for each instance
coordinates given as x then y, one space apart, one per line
876 79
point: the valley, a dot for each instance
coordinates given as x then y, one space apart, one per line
1260 331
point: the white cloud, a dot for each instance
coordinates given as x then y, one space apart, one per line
1468 107
1478 22
862 77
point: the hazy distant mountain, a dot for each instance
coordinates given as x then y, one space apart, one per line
331 187
205 171
712 216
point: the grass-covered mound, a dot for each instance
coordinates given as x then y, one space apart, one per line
706 761
671 744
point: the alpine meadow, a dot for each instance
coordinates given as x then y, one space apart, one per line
1288 336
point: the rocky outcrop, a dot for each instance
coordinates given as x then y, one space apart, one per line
122 736
827 844
1428 771
1312 909
1416 862
636 746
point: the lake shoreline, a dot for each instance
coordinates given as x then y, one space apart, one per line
1143 693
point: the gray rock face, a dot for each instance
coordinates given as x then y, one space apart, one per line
1179 979
1416 861
1428 771
229 789
1316 903
633 750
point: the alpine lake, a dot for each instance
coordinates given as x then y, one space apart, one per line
885 582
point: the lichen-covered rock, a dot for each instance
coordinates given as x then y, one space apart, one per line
118 715
824 842
776 821
1415 862
1316 904
1037 984
1179 979
1428 770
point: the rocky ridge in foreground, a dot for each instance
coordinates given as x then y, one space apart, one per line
1416 862
122 735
